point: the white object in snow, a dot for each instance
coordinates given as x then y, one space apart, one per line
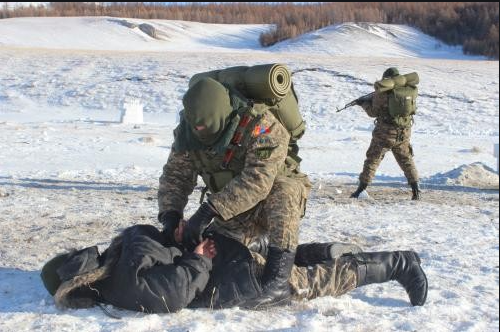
132 112
364 195
495 153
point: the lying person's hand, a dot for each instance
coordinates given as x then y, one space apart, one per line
206 248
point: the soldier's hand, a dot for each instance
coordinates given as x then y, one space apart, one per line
170 221
195 226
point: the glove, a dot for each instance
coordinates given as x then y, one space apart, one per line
196 225
170 221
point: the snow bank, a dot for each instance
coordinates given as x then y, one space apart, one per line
370 40
118 34
476 175
112 34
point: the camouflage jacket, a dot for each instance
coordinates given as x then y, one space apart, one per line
264 155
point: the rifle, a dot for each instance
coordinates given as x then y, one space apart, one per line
355 101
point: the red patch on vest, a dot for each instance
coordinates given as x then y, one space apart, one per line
260 130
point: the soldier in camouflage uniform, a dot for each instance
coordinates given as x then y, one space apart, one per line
387 136
260 190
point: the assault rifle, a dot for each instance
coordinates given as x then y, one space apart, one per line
356 101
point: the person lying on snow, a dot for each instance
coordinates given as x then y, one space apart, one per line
141 271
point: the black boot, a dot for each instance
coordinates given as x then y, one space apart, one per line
416 191
362 186
275 287
317 253
403 266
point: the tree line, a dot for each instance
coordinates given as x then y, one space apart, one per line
473 25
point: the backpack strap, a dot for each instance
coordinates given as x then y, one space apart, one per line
249 113
245 119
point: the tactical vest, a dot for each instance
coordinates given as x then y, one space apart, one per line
211 162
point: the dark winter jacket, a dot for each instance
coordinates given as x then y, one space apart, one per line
141 272
152 277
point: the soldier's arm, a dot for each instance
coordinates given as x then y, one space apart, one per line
375 106
176 183
266 153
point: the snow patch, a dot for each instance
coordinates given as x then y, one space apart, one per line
364 195
476 175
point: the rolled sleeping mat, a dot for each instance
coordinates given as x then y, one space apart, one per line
214 74
388 84
288 113
234 77
399 81
258 82
384 85
412 79
268 81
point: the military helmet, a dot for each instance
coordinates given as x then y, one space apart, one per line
390 72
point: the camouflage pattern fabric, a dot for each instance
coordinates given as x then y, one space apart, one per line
258 199
278 215
176 183
387 137
334 278
265 155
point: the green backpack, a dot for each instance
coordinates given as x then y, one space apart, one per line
267 86
403 93
403 101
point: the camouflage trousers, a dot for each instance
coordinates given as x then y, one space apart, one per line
389 138
278 215
333 278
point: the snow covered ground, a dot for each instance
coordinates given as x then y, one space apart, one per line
108 33
369 39
72 176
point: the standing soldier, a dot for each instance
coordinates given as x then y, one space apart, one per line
393 105
248 162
